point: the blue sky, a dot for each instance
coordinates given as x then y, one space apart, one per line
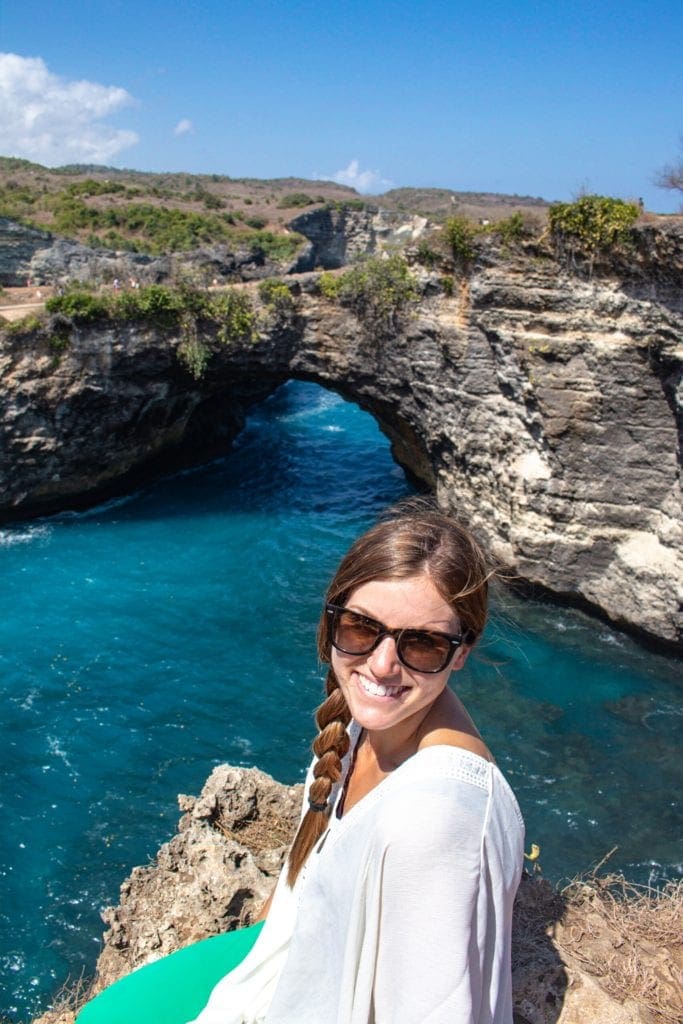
537 98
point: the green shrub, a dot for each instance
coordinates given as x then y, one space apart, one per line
276 295
329 285
511 229
593 224
80 305
212 202
426 254
26 325
379 290
90 187
280 248
59 341
194 355
294 200
233 312
155 303
458 236
256 222
347 204
448 285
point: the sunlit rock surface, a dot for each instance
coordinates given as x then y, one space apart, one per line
542 406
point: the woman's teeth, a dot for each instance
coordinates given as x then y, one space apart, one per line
380 689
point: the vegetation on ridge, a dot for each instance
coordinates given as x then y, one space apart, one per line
378 289
158 213
183 308
592 224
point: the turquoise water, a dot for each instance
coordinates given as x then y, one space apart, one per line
152 638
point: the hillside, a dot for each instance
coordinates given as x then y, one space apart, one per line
104 207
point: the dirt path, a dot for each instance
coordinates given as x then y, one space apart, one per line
17 312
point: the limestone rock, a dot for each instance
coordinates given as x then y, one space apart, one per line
213 876
18 245
336 237
543 406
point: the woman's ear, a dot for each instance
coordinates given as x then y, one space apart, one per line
460 657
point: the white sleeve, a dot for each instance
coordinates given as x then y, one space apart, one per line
437 925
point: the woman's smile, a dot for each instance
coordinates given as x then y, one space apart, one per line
386 690
381 692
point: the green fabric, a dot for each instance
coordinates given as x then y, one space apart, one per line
174 989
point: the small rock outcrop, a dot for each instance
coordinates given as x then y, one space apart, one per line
578 956
18 246
338 236
214 876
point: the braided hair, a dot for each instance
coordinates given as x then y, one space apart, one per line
413 538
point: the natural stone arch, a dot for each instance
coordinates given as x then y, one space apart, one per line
517 400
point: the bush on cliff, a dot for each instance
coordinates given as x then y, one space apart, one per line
378 290
277 297
459 235
235 316
79 305
592 225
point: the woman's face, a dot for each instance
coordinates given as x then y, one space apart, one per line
382 694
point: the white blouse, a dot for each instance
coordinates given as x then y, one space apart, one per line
402 912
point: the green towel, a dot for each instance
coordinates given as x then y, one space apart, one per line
174 989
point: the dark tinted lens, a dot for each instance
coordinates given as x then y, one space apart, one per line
425 652
354 633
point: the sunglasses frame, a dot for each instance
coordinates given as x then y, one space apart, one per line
455 641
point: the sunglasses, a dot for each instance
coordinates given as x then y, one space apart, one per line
422 650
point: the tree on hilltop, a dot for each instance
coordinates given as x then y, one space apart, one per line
671 175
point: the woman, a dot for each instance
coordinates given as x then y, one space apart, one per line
395 904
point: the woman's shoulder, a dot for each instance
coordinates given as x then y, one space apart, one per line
449 736
451 784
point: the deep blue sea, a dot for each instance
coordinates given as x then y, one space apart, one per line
149 639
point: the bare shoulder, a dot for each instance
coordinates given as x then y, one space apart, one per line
446 737
448 724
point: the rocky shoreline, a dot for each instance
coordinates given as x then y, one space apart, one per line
579 955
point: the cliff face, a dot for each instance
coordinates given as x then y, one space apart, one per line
29 254
543 407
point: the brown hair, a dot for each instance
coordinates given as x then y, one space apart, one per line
414 537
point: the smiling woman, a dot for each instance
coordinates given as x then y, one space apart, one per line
410 840
395 904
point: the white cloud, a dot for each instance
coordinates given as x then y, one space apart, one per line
46 118
183 127
363 181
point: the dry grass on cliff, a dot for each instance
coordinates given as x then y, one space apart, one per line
630 938
68 1001
262 833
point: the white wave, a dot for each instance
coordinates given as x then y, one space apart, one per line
27 702
611 639
56 749
97 510
9 538
243 744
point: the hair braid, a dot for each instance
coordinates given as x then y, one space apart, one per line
329 746
412 539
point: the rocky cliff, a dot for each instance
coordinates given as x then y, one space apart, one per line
578 956
543 406
27 254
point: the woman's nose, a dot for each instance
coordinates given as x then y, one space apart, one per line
384 659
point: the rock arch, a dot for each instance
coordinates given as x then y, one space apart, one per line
544 409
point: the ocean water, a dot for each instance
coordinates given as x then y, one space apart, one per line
149 639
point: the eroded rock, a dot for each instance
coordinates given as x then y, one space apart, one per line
543 407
